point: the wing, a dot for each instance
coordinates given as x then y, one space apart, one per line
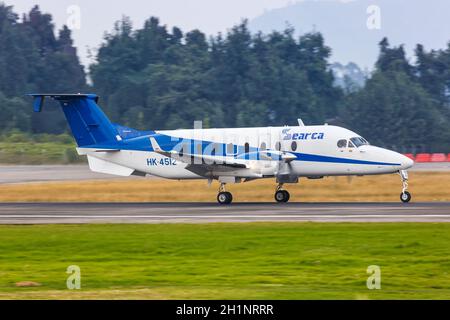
241 166
203 160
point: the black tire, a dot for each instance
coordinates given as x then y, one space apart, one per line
225 198
288 196
405 197
230 197
282 196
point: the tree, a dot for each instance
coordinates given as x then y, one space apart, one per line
15 114
433 74
394 110
393 59
33 59
160 78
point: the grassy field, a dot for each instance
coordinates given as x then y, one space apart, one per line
22 148
34 153
227 261
425 186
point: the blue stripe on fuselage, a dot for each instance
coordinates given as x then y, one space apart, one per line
317 158
168 143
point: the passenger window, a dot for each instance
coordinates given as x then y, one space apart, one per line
294 146
263 146
278 146
247 148
230 148
342 143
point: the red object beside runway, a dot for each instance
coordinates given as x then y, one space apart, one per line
423 157
438 157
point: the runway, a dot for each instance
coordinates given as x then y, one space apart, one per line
57 173
50 173
84 213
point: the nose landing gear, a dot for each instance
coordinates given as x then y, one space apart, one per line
282 196
405 196
224 197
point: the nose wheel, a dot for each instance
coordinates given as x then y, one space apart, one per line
405 196
282 196
224 197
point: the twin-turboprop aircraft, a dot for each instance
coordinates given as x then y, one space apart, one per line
226 155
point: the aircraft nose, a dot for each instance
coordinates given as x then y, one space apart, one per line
407 163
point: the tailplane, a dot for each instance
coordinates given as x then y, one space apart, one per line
89 125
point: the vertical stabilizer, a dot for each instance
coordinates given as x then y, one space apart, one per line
89 125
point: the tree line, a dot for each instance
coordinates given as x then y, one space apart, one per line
156 78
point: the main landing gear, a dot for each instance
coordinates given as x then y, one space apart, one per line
224 197
405 196
282 196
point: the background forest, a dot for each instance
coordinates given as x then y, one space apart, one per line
155 78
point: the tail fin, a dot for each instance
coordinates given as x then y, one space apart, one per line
90 126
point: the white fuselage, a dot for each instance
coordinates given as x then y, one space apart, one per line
319 152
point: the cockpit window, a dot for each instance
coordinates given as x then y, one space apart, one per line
359 141
342 143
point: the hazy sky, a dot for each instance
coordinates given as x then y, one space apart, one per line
344 26
210 16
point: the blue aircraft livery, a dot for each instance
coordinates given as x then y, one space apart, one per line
227 155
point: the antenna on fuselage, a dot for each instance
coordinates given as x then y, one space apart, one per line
300 123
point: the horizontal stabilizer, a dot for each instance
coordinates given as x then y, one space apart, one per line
39 98
86 151
107 150
106 167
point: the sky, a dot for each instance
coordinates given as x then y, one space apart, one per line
353 29
344 23
97 16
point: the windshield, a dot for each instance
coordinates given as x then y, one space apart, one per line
359 141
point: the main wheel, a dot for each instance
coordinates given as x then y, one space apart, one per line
282 196
225 198
405 197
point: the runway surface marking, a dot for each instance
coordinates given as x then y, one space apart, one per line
72 213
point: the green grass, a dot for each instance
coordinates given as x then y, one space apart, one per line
35 153
23 148
227 261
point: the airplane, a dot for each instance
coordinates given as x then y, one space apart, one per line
229 156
